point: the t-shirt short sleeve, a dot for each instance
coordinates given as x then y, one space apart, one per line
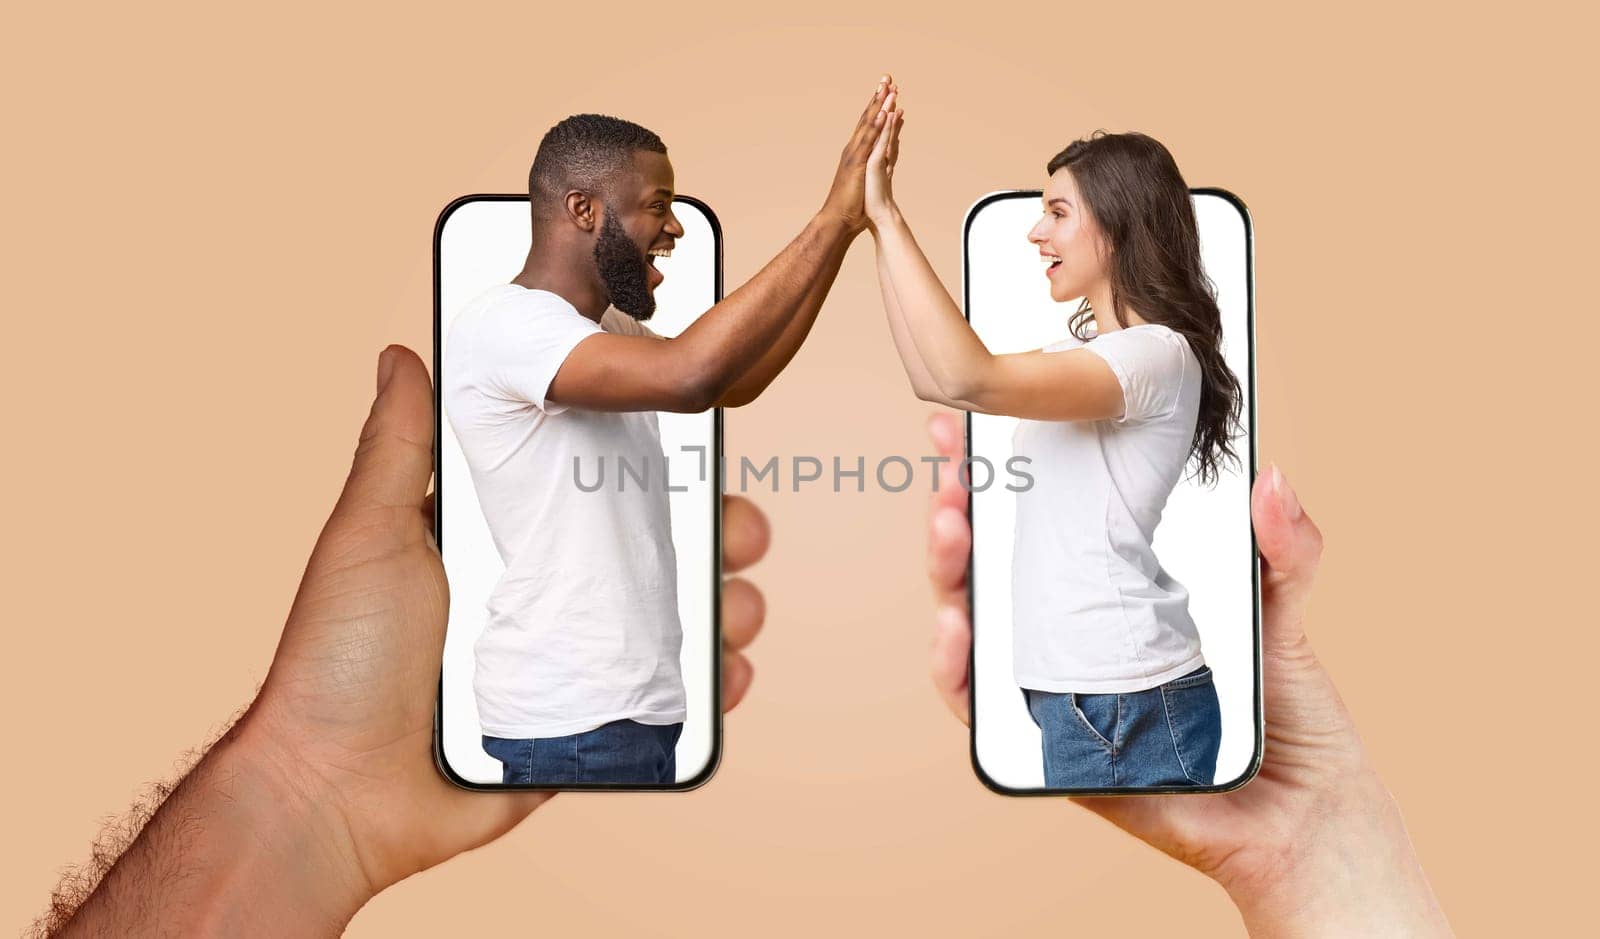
523 344
1149 364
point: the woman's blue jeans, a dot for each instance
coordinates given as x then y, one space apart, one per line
1166 736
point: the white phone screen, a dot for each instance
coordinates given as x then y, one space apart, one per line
1203 541
481 242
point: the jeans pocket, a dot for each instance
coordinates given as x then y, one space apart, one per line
1099 714
500 748
515 756
1194 718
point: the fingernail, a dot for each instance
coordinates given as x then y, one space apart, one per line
385 369
1286 497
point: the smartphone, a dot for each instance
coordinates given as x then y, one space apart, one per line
499 657
1088 717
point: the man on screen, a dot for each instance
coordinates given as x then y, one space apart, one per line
578 666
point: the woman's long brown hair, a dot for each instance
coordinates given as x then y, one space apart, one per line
1137 197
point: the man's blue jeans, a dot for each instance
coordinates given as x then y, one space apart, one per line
618 753
1166 736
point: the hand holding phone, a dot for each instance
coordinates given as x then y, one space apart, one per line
376 574
1317 798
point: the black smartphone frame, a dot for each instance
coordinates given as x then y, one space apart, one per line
715 759
1254 766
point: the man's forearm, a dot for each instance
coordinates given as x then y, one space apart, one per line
772 362
728 340
237 848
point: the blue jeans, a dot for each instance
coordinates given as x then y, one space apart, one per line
1166 736
618 753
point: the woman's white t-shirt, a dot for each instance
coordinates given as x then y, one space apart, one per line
1093 610
583 626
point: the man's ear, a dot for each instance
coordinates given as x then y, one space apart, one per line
581 210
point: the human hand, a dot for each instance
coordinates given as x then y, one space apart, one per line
1315 842
845 197
879 199
347 708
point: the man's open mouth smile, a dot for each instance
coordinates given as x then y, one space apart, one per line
656 277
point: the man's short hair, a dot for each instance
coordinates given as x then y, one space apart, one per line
584 152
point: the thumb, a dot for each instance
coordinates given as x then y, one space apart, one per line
394 459
1291 549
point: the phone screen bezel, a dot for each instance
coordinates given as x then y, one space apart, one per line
715 758
1254 765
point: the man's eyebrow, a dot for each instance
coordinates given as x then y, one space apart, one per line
662 190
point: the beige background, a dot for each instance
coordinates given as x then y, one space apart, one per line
214 221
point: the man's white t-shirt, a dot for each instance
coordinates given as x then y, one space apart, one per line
1093 610
583 626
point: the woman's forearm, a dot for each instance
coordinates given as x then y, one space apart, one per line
953 355
1357 875
921 382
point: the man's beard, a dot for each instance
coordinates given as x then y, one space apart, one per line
622 270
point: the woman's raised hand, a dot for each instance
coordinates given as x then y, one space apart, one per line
880 164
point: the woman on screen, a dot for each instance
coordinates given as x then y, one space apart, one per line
1105 651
